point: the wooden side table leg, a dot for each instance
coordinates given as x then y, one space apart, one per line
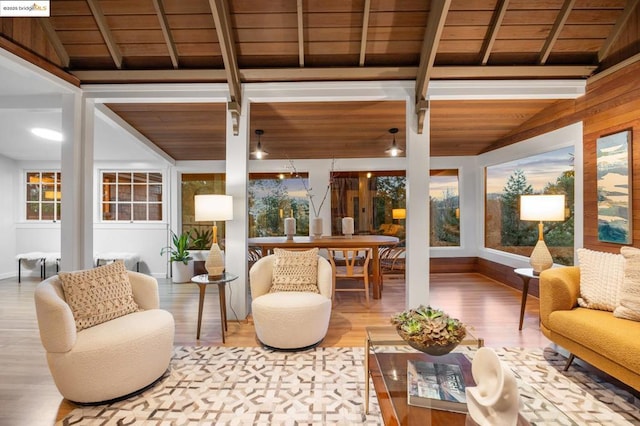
203 288
223 310
525 292
376 273
366 376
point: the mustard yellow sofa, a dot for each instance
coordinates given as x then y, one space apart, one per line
608 343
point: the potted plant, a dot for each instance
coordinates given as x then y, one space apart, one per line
181 267
429 330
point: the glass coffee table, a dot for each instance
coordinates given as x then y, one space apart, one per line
385 362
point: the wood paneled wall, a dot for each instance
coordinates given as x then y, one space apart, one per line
611 104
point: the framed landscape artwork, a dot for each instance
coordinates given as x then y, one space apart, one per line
613 154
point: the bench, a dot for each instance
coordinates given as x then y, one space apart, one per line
129 259
39 257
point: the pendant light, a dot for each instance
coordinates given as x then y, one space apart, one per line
259 153
393 150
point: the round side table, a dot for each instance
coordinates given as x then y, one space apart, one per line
526 274
203 281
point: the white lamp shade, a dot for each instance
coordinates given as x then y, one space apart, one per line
542 208
212 207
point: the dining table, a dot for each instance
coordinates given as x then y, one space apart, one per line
267 244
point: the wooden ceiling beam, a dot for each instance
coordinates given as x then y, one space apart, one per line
257 75
435 24
222 19
300 34
492 34
168 38
52 36
365 31
617 29
112 46
561 19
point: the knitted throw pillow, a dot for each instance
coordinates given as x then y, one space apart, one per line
98 295
601 277
629 307
295 271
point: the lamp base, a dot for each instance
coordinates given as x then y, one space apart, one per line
215 262
540 258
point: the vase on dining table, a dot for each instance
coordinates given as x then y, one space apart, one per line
316 227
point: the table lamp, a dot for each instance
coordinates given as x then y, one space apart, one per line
213 208
399 213
547 208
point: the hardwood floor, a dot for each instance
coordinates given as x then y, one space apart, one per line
29 397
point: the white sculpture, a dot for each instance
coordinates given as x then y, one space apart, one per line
495 400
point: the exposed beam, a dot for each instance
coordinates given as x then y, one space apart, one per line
561 19
258 75
168 38
53 38
433 32
300 34
617 29
617 67
119 121
365 31
492 34
114 50
222 19
38 61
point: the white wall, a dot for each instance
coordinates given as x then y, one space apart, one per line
8 264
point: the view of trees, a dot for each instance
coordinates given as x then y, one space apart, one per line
444 202
270 201
505 231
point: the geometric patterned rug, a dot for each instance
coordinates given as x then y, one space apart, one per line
215 385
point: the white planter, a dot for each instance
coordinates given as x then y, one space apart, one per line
181 273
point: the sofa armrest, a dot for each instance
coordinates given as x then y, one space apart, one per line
325 277
55 320
261 275
145 290
559 291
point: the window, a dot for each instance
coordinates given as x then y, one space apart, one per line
370 198
548 173
444 202
43 195
274 196
198 184
131 196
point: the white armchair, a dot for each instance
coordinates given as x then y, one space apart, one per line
109 360
289 319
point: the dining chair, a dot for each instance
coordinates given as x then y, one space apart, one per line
351 263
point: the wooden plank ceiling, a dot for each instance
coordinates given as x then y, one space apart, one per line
238 41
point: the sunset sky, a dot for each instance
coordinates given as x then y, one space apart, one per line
539 170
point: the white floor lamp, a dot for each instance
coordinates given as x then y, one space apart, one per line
541 208
213 207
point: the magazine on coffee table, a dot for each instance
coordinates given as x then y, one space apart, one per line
438 386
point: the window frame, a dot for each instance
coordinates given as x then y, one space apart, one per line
132 195
57 202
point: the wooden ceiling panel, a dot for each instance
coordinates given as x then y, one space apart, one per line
352 129
469 127
116 7
184 131
186 7
190 22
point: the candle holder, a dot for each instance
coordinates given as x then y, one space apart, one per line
347 226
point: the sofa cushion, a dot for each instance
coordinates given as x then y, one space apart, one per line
295 271
601 277
600 332
629 307
98 295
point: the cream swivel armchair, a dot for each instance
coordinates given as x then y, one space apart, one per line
289 319
108 360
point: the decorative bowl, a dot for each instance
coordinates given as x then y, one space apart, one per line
429 330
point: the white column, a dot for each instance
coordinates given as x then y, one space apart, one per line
417 221
77 183
237 232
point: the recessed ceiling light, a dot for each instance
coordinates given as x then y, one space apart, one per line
49 134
